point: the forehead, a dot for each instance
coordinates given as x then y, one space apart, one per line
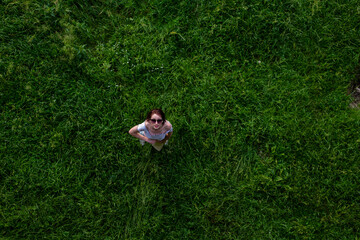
155 116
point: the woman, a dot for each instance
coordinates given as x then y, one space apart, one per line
155 130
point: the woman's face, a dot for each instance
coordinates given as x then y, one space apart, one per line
156 121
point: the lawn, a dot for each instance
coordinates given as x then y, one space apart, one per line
265 143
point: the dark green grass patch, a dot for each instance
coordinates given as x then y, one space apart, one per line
265 145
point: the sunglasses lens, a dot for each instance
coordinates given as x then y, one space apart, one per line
156 120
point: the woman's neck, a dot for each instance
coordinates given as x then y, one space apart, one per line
155 130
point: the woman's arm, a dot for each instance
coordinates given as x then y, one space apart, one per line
134 132
167 136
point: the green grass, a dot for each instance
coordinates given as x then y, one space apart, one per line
265 145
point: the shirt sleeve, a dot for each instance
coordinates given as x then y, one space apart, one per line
141 127
171 129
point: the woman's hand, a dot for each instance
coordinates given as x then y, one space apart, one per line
152 141
167 136
162 141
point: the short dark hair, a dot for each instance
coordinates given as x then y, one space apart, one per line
156 111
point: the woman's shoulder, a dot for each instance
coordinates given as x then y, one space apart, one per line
168 125
142 126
